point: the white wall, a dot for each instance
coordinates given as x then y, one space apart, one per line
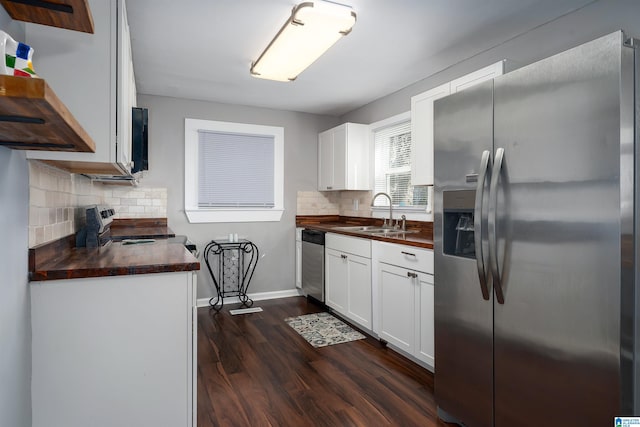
275 240
597 19
15 313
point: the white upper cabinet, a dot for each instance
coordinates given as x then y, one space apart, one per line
422 120
126 90
344 158
92 74
422 134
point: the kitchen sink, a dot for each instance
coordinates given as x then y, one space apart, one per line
364 228
391 233
374 230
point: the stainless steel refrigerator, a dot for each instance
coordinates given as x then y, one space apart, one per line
536 274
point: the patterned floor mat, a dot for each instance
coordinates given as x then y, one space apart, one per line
322 329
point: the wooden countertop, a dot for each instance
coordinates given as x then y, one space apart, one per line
117 259
62 260
332 224
154 228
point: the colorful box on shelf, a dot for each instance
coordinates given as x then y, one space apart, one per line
17 57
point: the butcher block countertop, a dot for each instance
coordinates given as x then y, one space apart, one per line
145 228
332 224
62 260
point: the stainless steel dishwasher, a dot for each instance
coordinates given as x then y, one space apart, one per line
313 264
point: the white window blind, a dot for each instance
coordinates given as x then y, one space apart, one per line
393 167
235 170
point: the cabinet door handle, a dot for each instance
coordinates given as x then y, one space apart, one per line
329 188
407 253
412 275
343 256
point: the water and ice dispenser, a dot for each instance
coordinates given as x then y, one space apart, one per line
458 223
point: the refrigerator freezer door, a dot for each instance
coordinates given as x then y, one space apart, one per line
463 318
557 347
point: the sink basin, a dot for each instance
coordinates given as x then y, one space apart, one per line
374 230
363 228
391 233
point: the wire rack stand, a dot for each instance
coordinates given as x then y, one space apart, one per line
231 265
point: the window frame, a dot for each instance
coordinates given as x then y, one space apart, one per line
196 214
420 212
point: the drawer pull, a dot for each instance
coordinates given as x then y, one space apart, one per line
343 256
412 275
407 253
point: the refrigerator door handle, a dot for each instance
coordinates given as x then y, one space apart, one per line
477 223
493 212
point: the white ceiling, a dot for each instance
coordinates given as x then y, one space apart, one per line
202 49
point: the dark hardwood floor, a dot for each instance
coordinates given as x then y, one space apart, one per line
255 370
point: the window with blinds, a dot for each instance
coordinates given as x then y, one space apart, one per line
393 167
235 170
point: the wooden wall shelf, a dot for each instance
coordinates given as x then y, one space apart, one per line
32 117
69 14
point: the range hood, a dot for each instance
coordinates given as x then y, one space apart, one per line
132 180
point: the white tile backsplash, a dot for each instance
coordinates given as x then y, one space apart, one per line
334 203
137 202
55 197
57 200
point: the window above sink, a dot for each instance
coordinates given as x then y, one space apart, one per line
392 166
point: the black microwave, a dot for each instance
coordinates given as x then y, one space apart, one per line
139 139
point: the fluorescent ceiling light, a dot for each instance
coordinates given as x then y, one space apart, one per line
311 30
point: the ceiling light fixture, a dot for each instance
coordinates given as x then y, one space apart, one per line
311 30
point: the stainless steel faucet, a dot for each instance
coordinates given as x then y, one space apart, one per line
384 224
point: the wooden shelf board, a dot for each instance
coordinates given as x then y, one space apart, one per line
68 14
32 117
90 168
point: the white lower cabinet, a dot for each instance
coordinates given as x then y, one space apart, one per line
425 322
336 278
398 307
359 290
348 278
114 351
404 286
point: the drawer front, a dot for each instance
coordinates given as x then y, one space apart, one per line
351 245
410 257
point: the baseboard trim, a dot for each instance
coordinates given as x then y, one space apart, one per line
258 296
